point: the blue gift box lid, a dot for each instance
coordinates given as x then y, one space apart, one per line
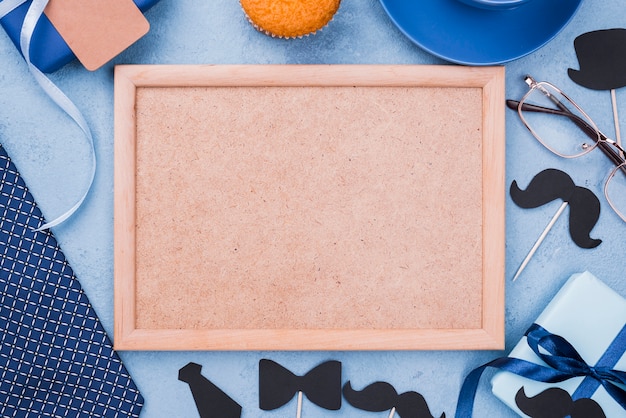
48 50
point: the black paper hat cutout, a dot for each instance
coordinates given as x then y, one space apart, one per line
210 400
382 396
552 184
321 385
602 59
557 403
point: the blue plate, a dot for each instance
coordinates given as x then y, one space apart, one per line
471 35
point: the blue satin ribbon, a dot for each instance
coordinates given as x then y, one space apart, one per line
563 361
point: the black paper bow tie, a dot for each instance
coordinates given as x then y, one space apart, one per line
321 385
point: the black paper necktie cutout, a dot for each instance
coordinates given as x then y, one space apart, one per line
381 396
557 403
321 385
552 184
210 400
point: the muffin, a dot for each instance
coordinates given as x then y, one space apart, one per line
289 18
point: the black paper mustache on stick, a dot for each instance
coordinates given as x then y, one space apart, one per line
557 403
552 184
381 396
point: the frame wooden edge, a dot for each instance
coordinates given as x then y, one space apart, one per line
489 336
124 206
242 75
306 340
494 155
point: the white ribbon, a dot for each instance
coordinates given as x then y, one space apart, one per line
30 21
7 6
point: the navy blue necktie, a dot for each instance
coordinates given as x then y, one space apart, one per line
56 359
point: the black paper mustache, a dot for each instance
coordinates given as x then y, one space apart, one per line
557 403
381 396
553 184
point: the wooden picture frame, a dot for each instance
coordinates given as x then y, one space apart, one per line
309 207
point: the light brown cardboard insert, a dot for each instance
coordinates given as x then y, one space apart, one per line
97 31
309 207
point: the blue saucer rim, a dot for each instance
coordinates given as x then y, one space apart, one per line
559 26
496 4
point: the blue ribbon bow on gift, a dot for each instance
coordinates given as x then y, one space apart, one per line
563 361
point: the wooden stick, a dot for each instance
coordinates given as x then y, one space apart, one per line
299 410
540 239
618 138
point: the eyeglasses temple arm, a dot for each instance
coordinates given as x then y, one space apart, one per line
608 150
528 107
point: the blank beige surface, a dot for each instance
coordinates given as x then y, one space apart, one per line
97 31
347 214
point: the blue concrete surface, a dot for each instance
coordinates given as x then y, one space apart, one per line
53 158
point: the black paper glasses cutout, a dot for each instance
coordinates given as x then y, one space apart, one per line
561 126
557 403
321 385
381 396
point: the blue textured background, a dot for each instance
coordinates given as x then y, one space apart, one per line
53 158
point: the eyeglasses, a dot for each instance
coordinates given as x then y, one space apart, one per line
564 128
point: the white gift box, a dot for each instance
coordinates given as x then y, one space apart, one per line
589 315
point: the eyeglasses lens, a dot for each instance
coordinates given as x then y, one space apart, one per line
570 133
615 190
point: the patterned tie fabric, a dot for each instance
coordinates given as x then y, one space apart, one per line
56 359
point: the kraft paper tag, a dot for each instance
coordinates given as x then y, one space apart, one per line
97 30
